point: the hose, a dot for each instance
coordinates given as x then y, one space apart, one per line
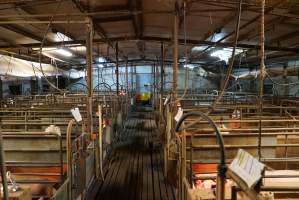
220 185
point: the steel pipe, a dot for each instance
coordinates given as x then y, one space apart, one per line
3 169
220 188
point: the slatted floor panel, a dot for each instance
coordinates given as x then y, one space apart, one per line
136 172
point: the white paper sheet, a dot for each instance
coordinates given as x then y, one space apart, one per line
76 114
247 168
179 114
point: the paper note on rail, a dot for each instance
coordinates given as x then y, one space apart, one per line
76 114
179 114
247 168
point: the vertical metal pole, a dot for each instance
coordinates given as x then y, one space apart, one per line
69 155
127 77
61 158
89 52
100 111
162 69
98 88
262 76
154 85
135 79
131 74
286 81
89 59
127 88
161 81
116 70
3 169
175 51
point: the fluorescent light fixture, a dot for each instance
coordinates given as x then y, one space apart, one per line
48 50
78 48
64 52
199 48
225 54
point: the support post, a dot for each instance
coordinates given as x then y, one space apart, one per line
286 81
1 89
162 69
154 86
161 81
132 78
89 59
127 88
127 78
3 169
262 76
116 70
175 50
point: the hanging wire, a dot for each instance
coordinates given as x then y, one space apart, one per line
229 70
262 76
186 55
280 84
41 49
186 59
230 67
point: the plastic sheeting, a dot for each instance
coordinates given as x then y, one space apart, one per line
10 66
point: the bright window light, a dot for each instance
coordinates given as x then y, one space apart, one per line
64 52
60 37
102 59
100 66
182 60
190 66
225 53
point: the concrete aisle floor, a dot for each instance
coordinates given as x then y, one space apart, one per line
136 171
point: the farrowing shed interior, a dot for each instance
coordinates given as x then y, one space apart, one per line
149 99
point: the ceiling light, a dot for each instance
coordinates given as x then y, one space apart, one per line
190 66
199 48
64 52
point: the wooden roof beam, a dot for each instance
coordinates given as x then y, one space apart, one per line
136 6
269 25
114 19
16 29
158 40
267 11
217 27
284 37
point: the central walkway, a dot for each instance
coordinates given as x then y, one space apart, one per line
136 171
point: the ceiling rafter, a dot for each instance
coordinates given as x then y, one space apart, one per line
267 11
21 31
114 19
284 37
159 40
99 29
218 26
269 25
135 6
25 33
19 1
